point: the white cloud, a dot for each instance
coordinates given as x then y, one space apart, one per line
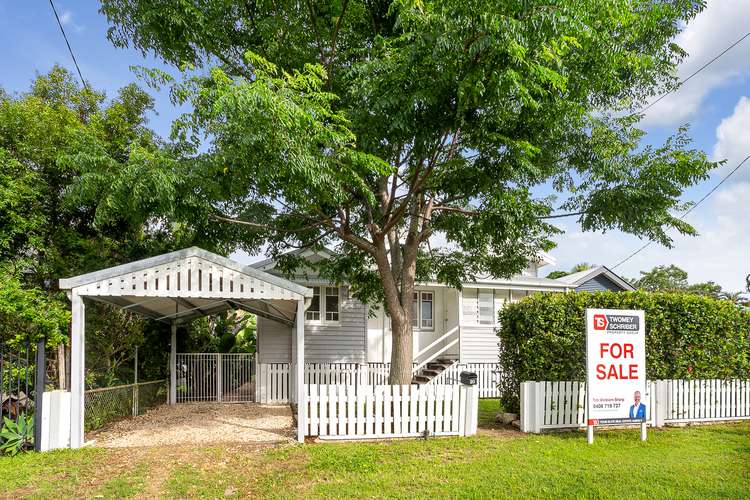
733 141
66 19
722 23
719 253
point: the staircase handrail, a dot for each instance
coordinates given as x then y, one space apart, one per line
435 355
443 337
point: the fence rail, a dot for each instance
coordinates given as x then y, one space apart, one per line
108 404
560 405
383 411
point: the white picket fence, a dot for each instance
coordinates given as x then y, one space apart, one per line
559 405
389 411
273 384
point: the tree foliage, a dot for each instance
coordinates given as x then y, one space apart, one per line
575 269
56 140
382 128
672 278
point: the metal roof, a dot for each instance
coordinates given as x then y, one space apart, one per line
577 279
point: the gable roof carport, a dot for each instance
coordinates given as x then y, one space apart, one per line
176 288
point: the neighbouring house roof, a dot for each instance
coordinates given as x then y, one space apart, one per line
599 273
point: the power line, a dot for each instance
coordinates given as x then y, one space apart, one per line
686 212
709 63
67 43
649 106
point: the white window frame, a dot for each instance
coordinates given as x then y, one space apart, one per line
322 302
419 324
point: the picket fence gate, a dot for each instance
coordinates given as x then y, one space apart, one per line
390 411
560 405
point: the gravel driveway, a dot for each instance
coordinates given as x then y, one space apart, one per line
200 423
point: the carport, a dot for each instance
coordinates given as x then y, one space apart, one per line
176 288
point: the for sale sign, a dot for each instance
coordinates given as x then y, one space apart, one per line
615 366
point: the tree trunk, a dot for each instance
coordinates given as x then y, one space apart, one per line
402 347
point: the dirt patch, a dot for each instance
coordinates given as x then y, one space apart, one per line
502 431
200 424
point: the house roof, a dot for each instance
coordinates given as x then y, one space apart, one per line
518 281
581 277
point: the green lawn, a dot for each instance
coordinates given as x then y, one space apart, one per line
697 462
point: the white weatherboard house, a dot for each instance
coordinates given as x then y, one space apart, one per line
317 346
451 326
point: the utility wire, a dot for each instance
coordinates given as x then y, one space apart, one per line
686 212
67 43
665 94
709 63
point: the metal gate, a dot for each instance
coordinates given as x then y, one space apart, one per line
223 378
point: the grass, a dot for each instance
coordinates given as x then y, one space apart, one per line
706 461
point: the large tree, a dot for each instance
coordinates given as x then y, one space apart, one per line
58 141
385 128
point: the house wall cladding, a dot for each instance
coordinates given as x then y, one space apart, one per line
479 344
599 284
345 342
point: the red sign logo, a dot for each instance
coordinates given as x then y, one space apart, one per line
600 322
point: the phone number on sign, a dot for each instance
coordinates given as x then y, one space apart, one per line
612 406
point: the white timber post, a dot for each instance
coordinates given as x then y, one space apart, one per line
538 407
77 369
173 366
525 403
659 402
460 320
471 395
300 371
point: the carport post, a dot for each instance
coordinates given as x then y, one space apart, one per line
172 366
77 368
299 372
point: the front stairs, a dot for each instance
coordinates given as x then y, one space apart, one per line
432 370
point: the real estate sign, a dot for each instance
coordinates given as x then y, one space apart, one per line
615 366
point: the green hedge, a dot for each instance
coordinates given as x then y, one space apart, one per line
687 337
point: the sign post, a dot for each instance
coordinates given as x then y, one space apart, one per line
615 369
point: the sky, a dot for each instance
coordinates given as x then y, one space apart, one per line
716 104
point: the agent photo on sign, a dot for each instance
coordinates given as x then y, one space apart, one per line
637 409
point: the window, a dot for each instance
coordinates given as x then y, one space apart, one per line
426 309
422 311
313 312
332 303
478 306
324 307
486 307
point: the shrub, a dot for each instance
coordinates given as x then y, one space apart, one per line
16 436
543 337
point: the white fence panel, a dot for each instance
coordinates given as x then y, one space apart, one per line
385 411
558 405
706 400
273 383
